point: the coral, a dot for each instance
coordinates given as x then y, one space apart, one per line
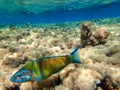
85 33
56 49
100 35
63 46
12 49
78 79
13 61
91 36
11 88
100 67
26 86
109 84
3 45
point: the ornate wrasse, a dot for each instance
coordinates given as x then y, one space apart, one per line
40 69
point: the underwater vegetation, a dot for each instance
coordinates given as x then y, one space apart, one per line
100 57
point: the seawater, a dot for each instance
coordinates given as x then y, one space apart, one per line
54 11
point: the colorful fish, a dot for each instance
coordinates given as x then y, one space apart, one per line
42 68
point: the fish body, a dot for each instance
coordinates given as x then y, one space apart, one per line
42 68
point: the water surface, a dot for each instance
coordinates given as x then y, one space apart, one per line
49 11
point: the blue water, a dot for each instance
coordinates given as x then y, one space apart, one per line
95 11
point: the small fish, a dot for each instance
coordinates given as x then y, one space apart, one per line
40 69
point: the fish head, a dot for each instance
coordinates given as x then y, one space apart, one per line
22 75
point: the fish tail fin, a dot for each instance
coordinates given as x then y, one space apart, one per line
76 56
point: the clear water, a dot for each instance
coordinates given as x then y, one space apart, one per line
50 11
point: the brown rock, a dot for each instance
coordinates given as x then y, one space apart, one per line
93 37
85 33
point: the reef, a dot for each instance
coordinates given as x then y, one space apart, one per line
93 36
100 68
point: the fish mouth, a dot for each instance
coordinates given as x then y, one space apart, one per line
22 75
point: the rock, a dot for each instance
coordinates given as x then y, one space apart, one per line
78 79
52 33
13 62
12 49
101 34
2 79
56 49
63 46
11 88
109 84
93 37
99 70
26 86
85 33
